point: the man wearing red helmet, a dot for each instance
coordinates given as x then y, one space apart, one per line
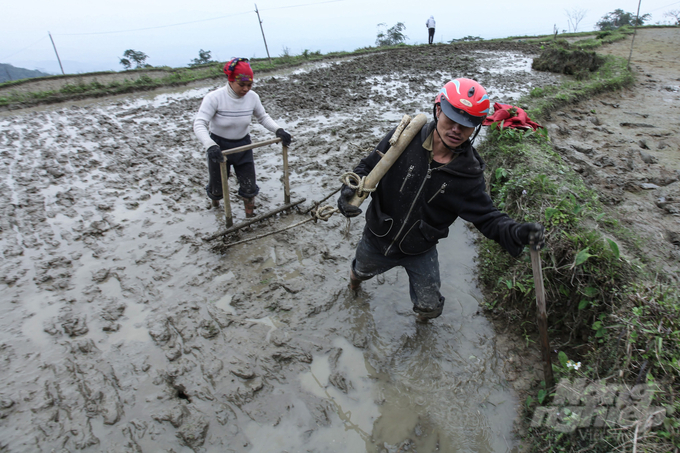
223 122
438 178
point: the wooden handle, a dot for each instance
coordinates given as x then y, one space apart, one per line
542 317
251 146
391 156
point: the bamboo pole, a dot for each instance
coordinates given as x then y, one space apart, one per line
263 38
286 183
56 53
391 156
542 316
630 55
225 193
226 152
225 178
254 219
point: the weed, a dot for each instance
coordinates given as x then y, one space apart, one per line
629 332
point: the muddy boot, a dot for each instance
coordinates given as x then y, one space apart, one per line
420 319
425 316
354 283
249 204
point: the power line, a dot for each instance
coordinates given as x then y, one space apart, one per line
664 7
19 51
306 4
155 28
194 21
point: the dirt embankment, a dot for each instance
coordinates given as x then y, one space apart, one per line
626 144
58 82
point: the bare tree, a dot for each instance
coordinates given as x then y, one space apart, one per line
673 15
575 16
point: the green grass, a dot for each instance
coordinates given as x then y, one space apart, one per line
608 306
169 77
612 75
163 77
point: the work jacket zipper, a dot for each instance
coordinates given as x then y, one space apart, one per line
408 214
441 190
408 176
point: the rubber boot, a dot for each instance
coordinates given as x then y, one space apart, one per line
420 319
354 283
215 203
249 204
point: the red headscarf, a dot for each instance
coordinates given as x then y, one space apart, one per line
238 69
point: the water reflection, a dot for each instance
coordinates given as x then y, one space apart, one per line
439 386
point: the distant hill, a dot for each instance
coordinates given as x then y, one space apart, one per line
9 72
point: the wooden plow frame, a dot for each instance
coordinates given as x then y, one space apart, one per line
407 129
225 185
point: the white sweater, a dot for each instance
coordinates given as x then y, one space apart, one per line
226 114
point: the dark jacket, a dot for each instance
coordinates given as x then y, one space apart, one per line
414 205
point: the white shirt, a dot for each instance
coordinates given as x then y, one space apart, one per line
430 22
228 115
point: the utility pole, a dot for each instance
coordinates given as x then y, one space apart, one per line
55 51
630 55
263 38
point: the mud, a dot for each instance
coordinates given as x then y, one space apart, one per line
627 148
121 329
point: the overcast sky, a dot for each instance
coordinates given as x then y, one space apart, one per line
92 35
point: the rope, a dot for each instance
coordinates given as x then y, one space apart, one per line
323 213
356 182
405 120
350 179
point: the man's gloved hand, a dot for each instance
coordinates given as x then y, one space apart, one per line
345 208
531 233
284 136
215 154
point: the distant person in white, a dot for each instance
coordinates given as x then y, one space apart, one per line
223 122
430 29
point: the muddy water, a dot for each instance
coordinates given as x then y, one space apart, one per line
121 329
434 387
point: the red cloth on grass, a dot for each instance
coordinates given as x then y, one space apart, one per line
511 116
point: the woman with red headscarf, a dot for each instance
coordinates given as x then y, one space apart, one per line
223 122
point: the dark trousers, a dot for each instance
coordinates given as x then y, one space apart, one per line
430 38
244 167
423 274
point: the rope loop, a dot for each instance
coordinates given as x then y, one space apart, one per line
356 182
324 212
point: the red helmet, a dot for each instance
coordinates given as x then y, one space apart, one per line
464 101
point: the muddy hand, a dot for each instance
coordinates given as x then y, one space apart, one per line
215 154
531 234
285 137
347 209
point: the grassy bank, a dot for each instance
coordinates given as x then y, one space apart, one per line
613 318
138 80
